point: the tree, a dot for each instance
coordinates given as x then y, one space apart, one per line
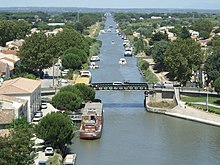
69 38
10 30
71 88
212 65
17 147
78 26
67 101
158 51
81 53
217 85
203 25
56 128
71 61
143 65
139 45
181 57
184 34
159 36
87 92
36 53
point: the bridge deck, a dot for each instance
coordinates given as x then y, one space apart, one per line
125 86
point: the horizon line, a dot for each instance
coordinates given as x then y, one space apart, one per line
109 7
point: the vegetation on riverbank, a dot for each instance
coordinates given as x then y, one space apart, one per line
147 74
212 100
162 104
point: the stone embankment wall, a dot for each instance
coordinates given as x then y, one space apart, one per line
158 97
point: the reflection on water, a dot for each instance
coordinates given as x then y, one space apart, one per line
133 136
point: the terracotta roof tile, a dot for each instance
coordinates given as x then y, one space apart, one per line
12 99
9 52
19 85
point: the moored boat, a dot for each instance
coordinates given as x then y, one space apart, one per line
128 53
92 121
94 58
93 65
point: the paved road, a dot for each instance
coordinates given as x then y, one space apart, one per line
38 142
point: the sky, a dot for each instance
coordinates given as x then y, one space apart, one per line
186 4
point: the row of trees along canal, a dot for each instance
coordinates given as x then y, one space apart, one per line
181 56
40 51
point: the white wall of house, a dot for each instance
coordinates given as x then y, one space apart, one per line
34 102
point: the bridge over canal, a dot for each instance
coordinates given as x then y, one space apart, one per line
120 86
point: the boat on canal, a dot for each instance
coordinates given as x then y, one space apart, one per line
93 65
122 61
128 52
92 121
94 59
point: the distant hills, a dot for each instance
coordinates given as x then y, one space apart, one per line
86 10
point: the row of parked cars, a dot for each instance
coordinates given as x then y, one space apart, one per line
39 114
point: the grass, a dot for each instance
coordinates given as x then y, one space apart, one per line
150 77
162 104
147 74
203 107
212 99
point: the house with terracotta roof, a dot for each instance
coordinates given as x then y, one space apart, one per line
11 108
7 63
26 89
8 51
14 44
5 69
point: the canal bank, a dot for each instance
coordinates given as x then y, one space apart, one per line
181 110
188 113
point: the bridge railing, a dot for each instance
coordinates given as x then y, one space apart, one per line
123 86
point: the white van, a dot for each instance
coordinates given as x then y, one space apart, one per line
70 159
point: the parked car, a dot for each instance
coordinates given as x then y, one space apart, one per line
39 113
43 105
42 162
70 159
117 83
159 85
37 118
62 80
49 151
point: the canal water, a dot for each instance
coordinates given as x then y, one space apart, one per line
132 136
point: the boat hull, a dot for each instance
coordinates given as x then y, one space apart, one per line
90 135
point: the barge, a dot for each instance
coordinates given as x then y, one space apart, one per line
92 121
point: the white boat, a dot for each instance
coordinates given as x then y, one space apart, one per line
94 58
93 65
128 53
102 32
122 61
126 42
113 42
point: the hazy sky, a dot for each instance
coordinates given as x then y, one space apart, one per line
192 4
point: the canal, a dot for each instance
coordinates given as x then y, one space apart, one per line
133 136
